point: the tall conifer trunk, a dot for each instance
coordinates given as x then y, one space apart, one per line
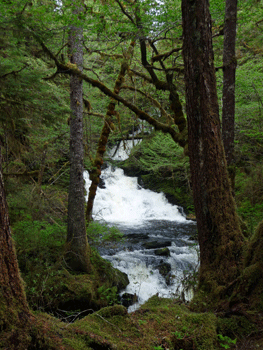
219 234
229 75
14 310
78 256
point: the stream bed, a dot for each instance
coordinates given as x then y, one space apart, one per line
159 249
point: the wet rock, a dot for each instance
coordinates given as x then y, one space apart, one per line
138 236
156 244
162 252
194 238
101 183
164 269
169 278
128 299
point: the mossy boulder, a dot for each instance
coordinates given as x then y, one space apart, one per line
159 323
162 252
54 287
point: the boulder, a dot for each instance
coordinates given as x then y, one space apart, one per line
162 252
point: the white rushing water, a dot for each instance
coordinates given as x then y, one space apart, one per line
125 204
123 201
151 218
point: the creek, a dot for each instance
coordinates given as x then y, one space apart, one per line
150 224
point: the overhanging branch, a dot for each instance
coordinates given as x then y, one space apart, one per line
69 68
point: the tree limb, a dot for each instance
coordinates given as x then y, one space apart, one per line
69 68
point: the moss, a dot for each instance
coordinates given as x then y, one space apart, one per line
235 326
249 287
113 311
160 322
50 286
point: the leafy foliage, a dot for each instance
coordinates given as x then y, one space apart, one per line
99 233
34 235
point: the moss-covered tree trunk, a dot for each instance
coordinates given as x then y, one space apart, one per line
105 133
14 312
220 237
229 77
78 252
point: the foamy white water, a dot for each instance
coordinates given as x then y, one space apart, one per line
124 201
134 210
145 279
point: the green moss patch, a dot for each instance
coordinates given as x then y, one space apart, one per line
159 323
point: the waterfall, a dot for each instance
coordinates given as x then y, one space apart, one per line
125 202
148 221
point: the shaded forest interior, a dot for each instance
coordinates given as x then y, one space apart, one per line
76 79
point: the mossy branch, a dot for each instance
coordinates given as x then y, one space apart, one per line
153 100
181 139
165 55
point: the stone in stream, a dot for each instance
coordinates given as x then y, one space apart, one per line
162 252
169 278
137 237
164 269
128 299
156 244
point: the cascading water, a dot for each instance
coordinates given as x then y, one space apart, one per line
149 223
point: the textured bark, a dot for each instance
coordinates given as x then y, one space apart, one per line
78 253
14 311
220 237
229 71
105 133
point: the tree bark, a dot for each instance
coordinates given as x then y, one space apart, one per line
229 71
78 252
219 234
14 310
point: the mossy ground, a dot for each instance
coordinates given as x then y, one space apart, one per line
158 324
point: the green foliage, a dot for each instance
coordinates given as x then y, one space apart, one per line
178 335
99 233
108 294
32 234
226 342
249 195
158 154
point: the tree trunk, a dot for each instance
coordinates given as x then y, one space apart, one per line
14 311
229 71
78 253
219 234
